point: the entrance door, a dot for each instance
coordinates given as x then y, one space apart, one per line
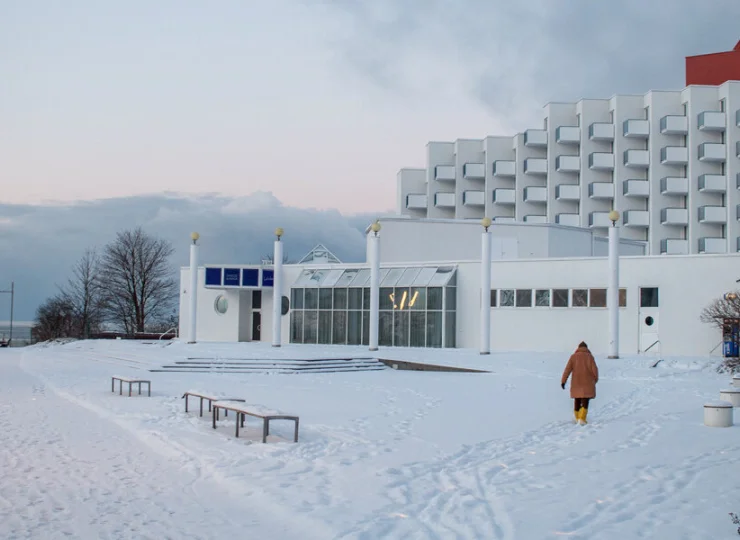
256 325
649 320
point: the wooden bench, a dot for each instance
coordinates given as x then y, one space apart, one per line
130 382
208 397
242 410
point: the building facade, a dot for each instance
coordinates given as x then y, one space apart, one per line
669 161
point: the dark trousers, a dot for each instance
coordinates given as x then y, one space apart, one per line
580 402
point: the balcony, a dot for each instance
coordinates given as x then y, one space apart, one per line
474 198
416 201
714 152
601 131
568 192
712 183
636 188
535 166
674 125
637 159
713 214
674 155
674 246
674 216
536 138
674 185
601 190
712 245
535 219
636 218
474 171
444 173
444 200
636 129
568 164
504 219
504 196
712 121
504 168
572 220
568 135
599 219
535 194
601 161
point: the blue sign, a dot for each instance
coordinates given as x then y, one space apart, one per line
251 277
268 276
213 277
231 277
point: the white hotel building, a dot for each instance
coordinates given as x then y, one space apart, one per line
668 161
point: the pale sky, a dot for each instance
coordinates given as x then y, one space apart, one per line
318 102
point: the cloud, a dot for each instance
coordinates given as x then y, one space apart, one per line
39 244
516 56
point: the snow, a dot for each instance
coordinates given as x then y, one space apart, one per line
381 454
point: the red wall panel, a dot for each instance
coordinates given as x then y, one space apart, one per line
713 69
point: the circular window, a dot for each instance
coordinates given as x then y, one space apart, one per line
649 321
284 305
221 305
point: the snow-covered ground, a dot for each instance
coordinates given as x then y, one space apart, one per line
383 454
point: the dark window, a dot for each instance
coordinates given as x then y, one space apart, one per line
256 299
598 298
451 300
542 298
325 298
622 297
340 298
434 299
297 296
284 305
649 297
311 300
524 298
355 301
507 298
560 298
580 297
493 298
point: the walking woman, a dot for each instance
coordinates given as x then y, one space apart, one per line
585 373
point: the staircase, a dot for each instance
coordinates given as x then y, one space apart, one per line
260 365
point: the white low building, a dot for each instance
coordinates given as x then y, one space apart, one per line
548 293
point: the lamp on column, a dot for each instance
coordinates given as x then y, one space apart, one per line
485 288
613 299
374 256
277 288
194 237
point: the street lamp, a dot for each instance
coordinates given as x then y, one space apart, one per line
277 287
11 292
374 256
193 287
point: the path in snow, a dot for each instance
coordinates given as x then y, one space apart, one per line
66 473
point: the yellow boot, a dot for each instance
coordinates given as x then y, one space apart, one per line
582 416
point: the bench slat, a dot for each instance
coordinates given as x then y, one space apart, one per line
252 410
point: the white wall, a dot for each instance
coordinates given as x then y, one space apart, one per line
686 285
211 326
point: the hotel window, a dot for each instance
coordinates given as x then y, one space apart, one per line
524 298
507 298
597 298
560 298
649 297
580 298
542 298
622 297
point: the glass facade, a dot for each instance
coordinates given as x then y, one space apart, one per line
417 307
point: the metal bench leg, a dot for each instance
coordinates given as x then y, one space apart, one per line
295 437
129 389
209 405
149 389
244 416
237 425
112 385
201 406
120 388
214 417
186 403
265 429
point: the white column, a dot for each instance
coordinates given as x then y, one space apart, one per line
193 288
277 293
485 293
613 292
374 261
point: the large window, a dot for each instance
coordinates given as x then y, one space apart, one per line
417 307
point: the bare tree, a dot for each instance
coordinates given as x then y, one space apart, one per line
84 293
54 319
140 284
722 311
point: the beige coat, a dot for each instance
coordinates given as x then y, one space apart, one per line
585 374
